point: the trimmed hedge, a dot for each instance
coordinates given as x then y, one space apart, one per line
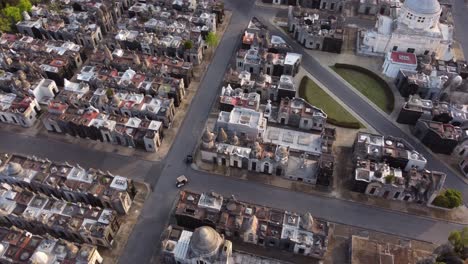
377 78
352 125
449 199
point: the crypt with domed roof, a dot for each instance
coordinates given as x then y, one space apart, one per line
225 150
203 246
413 28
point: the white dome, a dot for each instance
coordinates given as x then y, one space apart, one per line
427 7
307 222
39 258
2 248
12 169
205 241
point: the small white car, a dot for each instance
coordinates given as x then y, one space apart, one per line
181 181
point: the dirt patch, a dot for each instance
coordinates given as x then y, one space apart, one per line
128 222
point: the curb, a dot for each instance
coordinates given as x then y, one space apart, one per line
149 190
202 78
338 100
326 90
85 148
195 167
380 111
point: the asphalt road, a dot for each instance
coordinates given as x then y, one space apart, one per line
144 240
159 205
460 17
60 151
377 120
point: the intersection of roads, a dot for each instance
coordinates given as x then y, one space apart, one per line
143 243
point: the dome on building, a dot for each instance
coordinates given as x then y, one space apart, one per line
256 151
21 75
426 7
235 140
208 140
12 169
228 91
207 136
251 225
307 222
261 78
270 57
39 258
25 84
282 153
2 248
205 241
222 136
454 82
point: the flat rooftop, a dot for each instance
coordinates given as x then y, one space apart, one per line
295 140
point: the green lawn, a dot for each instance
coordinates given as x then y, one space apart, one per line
337 115
369 87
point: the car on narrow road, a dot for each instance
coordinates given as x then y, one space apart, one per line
181 181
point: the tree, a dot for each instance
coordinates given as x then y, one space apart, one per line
389 178
456 250
454 197
449 199
5 24
188 44
13 13
459 241
24 5
109 92
441 201
211 39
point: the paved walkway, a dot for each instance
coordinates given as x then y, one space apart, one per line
366 109
144 240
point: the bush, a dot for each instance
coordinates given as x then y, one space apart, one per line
459 241
24 5
188 44
352 125
389 179
441 201
449 199
212 39
12 13
454 197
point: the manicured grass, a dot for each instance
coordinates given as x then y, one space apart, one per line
369 87
337 115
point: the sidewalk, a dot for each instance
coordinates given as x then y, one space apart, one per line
373 64
127 223
340 188
457 215
302 72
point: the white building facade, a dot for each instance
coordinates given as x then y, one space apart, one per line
246 122
396 61
413 28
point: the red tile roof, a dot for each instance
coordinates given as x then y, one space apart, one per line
404 57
